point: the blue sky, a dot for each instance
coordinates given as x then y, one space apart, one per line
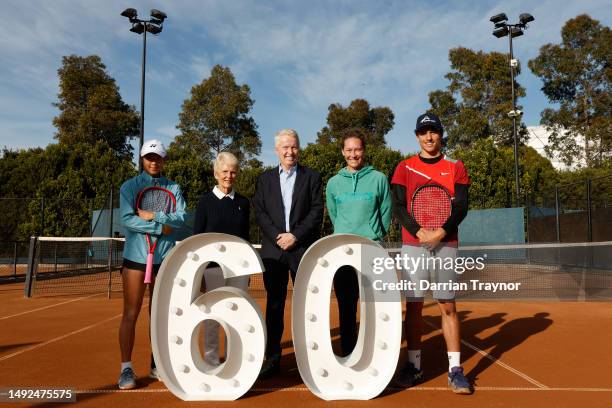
298 57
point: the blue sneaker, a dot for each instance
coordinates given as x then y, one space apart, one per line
457 381
408 376
127 379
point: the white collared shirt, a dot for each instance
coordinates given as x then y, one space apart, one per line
287 183
221 195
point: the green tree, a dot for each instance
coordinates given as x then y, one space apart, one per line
91 108
70 180
20 173
376 122
577 76
216 118
477 100
191 172
491 172
245 185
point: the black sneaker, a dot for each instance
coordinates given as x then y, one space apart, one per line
408 376
271 367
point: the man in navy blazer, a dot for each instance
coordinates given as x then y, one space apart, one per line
288 205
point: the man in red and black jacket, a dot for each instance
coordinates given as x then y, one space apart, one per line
430 165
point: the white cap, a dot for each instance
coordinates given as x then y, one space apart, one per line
153 146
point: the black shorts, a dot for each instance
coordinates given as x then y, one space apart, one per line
139 266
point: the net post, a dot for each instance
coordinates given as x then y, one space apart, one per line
31 265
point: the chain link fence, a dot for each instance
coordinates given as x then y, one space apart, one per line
24 218
576 212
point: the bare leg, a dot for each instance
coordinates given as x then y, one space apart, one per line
133 293
450 325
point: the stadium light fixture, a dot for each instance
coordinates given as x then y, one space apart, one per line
154 26
137 28
516 32
160 15
129 13
153 29
525 18
502 29
499 18
501 32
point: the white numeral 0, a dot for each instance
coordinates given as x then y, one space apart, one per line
179 308
366 372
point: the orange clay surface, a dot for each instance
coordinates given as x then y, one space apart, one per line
519 354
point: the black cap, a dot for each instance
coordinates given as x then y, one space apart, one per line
429 121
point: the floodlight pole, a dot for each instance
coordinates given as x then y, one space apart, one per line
139 26
142 94
514 133
503 28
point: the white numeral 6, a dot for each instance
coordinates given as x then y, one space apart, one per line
179 308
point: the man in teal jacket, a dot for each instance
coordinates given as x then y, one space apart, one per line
358 202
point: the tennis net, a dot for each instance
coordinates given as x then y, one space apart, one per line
577 271
70 265
565 272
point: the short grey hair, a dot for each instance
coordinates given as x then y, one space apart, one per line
286 132
226 158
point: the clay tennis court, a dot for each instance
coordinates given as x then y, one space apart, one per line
517 353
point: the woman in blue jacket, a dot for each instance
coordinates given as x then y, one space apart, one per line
136 224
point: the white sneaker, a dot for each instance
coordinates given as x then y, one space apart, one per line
154 374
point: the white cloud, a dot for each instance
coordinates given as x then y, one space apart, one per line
201 66
168 131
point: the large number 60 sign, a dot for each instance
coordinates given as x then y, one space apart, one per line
179 309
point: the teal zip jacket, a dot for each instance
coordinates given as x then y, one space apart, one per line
359 203
135 228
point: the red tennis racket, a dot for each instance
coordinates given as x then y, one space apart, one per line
154 199
431 206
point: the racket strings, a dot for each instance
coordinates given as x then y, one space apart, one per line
156 200
431 207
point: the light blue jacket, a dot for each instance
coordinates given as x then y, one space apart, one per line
135 228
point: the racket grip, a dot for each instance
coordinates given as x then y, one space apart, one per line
149 269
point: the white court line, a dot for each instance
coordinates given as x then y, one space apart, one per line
49 306
304 389
498 362
506 366
58 338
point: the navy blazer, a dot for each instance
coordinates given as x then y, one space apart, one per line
306 211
